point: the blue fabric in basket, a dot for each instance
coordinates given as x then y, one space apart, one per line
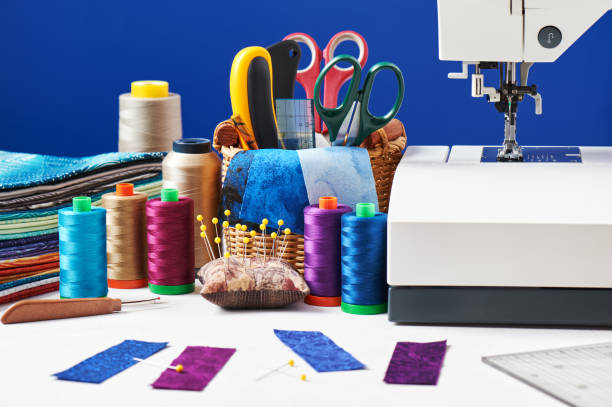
279 184
266 184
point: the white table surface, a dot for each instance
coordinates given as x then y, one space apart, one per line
31 352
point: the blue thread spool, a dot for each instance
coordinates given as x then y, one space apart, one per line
82 246
364 261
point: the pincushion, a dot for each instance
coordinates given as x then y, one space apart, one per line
239 283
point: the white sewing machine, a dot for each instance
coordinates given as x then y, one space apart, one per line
510 234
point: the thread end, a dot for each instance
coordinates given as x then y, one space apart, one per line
169 195
125 189
81 204
328 202
365 210
150 89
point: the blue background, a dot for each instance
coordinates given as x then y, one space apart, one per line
64 64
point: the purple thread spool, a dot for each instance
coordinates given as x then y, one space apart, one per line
322 251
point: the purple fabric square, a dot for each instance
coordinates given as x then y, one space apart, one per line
200 363
416 363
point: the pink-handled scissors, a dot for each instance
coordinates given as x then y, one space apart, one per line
336 76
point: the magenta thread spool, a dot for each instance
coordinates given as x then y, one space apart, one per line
322 251
170 240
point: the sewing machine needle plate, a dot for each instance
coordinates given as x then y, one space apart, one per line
538 154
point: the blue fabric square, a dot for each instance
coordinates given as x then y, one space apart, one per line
319 351
113 360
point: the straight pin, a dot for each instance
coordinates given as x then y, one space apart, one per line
291 363
178 368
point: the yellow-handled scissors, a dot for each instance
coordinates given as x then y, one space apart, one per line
351 122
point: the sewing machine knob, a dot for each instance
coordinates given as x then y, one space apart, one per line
549 37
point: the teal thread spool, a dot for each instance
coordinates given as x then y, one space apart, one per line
82 248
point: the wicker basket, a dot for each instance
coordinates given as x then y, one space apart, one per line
257 246
384 157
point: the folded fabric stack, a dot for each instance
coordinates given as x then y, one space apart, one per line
32 190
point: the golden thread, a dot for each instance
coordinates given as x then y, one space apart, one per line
149 124
196 176
126 242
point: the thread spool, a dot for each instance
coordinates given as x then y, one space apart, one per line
126 244
170 243
364 261
149 117
82 248
322 251
195 170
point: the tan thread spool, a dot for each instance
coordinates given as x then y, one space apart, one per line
195 170
126 241
149 117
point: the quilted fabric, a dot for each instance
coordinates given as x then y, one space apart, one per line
27 280
200 363
113 360
28 250
32 190
19 170
28 286
29 261
29 292
416 363
319 351
91 188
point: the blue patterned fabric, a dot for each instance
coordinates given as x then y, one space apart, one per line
18 170
279 184
113 360
266 184
319 351
235 183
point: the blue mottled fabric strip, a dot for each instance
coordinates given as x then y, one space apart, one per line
113 360
319 351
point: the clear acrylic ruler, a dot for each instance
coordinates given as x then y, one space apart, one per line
295 119
579 376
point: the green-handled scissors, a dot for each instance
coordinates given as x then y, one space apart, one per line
351 122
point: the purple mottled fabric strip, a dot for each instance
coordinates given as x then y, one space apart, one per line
200 365
416 363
